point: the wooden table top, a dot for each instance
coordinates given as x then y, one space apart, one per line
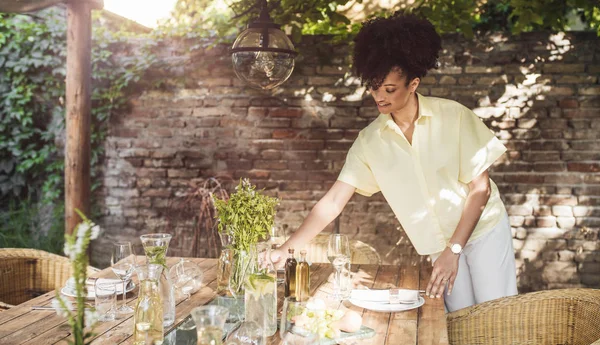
424 326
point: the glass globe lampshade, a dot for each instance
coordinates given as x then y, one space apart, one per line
262 55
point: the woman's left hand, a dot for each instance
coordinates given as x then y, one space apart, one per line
444 272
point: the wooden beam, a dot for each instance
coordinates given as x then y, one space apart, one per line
78 97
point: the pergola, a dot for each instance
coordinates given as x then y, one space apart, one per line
78 98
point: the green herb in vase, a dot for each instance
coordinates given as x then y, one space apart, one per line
246 217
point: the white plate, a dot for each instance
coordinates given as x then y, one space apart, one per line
91 295
387 307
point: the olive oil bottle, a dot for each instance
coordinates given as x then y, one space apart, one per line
290 275
302 278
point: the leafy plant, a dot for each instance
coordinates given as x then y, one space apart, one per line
27 224
247 216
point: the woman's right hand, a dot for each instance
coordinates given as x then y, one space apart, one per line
278 258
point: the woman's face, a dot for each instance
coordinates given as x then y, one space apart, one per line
393 95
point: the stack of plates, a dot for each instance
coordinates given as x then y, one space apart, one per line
69 290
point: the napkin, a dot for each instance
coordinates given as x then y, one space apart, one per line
383 296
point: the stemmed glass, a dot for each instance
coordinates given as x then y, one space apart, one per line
122 264
338 253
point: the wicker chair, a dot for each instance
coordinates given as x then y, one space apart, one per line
361 253
568 316
28 273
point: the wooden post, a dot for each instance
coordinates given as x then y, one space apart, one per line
78 97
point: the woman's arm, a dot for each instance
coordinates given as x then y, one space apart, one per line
445 267
324 212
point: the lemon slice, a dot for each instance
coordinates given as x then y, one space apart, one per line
261 283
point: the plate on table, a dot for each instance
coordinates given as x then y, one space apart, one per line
387 307
69 292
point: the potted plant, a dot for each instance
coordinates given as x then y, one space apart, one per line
246 218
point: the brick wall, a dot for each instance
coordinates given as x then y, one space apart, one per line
540 93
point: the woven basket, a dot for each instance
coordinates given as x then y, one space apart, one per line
568 316
28 273
361 253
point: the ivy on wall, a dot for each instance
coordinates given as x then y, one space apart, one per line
32 107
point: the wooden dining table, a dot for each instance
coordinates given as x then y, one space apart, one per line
425 325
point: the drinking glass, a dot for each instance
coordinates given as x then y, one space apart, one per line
338 253
248 333
210 322
122 264
105 299
292 328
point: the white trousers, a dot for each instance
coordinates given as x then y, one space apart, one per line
486 269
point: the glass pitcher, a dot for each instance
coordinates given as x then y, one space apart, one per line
261 292
155 248
148 314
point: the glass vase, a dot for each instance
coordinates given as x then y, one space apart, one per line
224 265
155 248
243 263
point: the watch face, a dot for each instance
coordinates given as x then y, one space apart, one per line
456 248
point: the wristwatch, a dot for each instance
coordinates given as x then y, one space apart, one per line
455 248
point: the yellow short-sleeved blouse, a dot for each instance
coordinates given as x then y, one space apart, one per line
426 183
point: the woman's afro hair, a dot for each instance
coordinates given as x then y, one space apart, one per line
402 40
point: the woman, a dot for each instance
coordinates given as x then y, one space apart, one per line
429 157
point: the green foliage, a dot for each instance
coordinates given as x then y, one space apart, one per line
32 111
23 227
247 216
210 18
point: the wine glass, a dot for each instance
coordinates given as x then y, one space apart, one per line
122 263
338 253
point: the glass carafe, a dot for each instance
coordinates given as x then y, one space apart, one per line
148 314
261 293
155 248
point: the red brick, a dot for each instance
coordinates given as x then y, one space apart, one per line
558 200
147 172
568 103
306 144
584 166
182 173
160 132
285 133
524 178
253 174
285 112
270 165
299 155
288 175
125 132
159 192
